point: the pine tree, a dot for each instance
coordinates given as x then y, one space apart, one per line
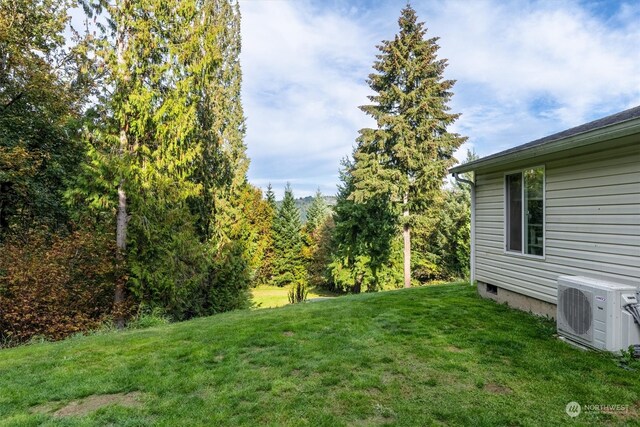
362 237
406 157
265 274
270 197
222 167
288 267
317 212
315 235
171 137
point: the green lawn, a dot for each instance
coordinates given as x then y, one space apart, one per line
275 296
427 356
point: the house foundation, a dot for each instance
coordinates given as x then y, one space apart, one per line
516 300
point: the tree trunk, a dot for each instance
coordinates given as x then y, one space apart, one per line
406 235
4 214
121 218
357 286
121 244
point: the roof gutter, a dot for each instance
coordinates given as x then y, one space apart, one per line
472 261
606 133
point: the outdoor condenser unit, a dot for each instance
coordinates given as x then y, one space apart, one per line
598 314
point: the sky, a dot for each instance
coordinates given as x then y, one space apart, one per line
524 70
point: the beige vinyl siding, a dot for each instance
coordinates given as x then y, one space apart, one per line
592 216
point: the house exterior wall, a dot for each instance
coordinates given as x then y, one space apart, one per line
592 223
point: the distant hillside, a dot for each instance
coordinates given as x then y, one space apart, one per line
303 204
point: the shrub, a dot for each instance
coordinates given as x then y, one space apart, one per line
53 286
298 292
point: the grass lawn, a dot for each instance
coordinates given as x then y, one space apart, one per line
427 356
275 296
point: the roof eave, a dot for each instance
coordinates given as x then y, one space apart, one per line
595 136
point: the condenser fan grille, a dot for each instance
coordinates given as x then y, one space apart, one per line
576 310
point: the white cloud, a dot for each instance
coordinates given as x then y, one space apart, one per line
524 70
303 80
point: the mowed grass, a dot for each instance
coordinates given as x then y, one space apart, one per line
275 296
437 355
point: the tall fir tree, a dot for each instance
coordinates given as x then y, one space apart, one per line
317 212
222 167
265 274
406 157
288 264
270 197
362 238
170 137
315 234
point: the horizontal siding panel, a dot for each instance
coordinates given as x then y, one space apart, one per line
579 265
518 285
489 199
615 200
590 161
489 218
594 228
496 206
490 192
486 247
594 210
608 258
489 228
606 190
593 171
489 237
594 219
597 247
543 284
627 178
489 177
552 269
617 239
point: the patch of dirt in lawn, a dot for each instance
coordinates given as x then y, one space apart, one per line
632 412
497 389
454 349
87 405
288 333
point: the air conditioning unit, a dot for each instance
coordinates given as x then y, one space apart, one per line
598 314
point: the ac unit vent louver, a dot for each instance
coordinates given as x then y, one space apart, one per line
576 308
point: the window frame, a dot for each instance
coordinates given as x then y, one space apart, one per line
522 252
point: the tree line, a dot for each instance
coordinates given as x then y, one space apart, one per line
396 223
123 172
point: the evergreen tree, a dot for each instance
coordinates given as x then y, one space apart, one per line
265 274
406 157
270 197
314 231
443 246
362 239
170 138
288 266
317 213
221 169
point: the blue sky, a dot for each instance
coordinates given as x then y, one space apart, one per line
524 69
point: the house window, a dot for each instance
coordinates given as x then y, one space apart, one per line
525 212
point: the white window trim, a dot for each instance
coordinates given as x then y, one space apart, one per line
522 254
